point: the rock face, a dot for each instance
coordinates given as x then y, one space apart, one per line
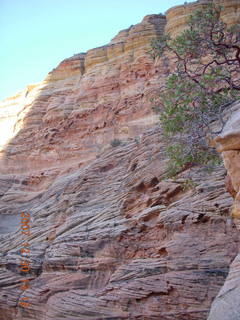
177 16
83 153
113 234
226 305
90 99
228 144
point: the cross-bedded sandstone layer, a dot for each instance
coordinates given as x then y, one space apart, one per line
111 239
89 100
177 16
114 241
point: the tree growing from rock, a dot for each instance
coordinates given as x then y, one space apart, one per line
206 80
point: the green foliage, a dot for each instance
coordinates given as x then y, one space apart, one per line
115 143
189 184
212 164
137 140
180 158
204 83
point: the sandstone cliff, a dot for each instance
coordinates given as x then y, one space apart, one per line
177 16
110 238
226 305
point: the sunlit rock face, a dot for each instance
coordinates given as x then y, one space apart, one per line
110 238
228 144
82 105
226 305
178 16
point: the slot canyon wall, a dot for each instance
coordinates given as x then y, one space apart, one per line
83 153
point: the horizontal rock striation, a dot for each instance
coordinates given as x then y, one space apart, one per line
116 236
178 16
86 102
83 153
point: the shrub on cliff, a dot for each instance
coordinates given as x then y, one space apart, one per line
204 83
115 142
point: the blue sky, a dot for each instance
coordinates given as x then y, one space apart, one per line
36 35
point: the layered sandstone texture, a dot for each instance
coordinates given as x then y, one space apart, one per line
61 124
83 153
178 16
113 240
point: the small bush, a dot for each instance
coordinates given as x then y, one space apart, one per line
115 143
189 184
204 83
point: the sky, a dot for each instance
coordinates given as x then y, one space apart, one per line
35 36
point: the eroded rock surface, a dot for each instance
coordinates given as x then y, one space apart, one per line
228 144
113 240
90 99
177 16
226 305
110 238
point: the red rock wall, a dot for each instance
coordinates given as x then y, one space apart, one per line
82 105
226 305
110 238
